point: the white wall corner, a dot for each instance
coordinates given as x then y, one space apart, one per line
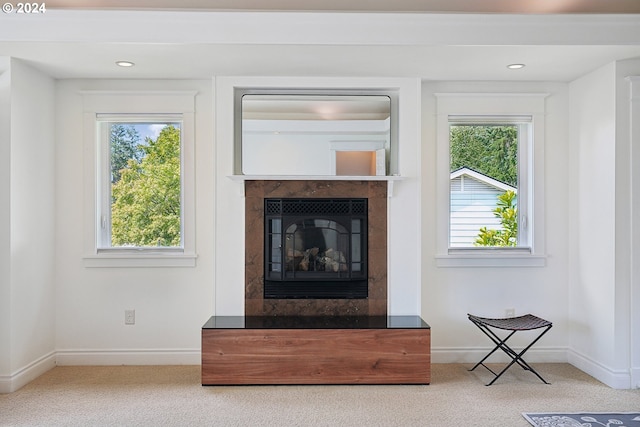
614 378
23 376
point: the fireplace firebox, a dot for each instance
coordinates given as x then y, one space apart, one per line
315 248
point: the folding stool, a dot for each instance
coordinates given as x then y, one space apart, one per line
514 324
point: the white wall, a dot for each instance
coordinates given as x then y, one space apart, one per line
171 304
296 154
32 213
449 293
634 140
5 223
627 215
601 242
593 231
29 284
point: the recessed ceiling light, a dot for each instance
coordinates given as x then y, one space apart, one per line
125 64
515 66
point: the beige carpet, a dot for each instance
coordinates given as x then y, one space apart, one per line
173 396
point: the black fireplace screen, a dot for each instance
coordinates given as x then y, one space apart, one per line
316 248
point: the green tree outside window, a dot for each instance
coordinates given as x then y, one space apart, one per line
489 149
507 212
146 199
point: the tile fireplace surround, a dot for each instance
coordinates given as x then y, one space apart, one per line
257 191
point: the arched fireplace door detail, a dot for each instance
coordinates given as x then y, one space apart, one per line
315 248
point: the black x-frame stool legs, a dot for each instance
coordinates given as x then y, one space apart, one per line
514 324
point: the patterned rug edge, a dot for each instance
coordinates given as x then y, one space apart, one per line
582 419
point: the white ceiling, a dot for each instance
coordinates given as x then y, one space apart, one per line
202 61
185 44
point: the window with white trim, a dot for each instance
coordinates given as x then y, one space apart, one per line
140 179
490 175
140 182
488 162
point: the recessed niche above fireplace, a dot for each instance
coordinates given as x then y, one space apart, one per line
312 126
315 248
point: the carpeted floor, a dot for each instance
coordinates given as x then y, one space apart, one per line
173 396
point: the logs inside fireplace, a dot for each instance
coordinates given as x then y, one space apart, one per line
315 248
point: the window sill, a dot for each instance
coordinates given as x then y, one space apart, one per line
490 260
128 260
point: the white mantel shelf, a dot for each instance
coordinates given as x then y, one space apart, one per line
391 179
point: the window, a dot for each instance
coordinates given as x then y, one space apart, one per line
140 194
488 184
490 180
140 179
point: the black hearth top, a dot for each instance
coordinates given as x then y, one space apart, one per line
316 322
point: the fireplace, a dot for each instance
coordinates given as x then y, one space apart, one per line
374 248
315 248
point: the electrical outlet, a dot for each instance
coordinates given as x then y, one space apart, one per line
510 312
129 317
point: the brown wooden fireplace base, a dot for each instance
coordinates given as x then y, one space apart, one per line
316 350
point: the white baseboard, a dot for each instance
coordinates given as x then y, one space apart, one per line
13 382
617 379
20 378
82 357
475 354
